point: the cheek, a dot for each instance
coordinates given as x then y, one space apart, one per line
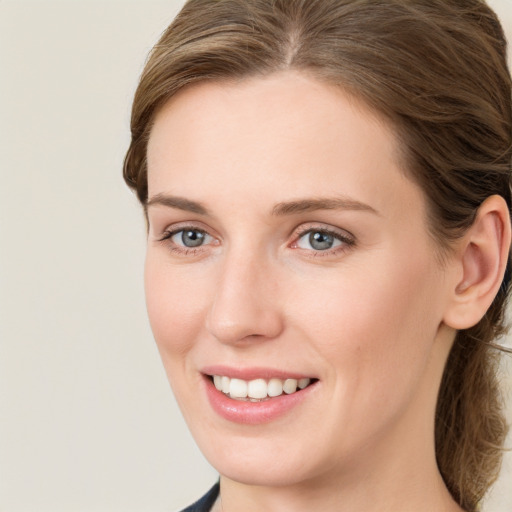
373 326
174 303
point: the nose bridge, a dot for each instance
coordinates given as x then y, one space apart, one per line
245 301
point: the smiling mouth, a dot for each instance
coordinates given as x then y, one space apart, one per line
258 390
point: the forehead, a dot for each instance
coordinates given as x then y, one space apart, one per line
296 99
287 132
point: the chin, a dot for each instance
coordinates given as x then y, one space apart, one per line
263 461
266 473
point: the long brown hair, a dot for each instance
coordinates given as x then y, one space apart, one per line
436 70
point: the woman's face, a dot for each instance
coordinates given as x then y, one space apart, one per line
286 244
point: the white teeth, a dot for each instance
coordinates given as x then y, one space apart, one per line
303 383
225 384
258 389
275 387
290 386
238 388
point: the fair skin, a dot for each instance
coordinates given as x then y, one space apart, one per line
285 238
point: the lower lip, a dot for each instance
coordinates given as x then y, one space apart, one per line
254 413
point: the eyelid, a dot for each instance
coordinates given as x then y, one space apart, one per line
346 238
324 228
167 234
171 234
176 227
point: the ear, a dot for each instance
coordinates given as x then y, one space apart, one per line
481 261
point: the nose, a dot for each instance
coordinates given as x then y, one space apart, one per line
245 303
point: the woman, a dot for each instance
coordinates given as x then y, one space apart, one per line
326 185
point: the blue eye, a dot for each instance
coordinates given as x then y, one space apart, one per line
319 240
190 238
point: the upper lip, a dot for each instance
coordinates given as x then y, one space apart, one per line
252 373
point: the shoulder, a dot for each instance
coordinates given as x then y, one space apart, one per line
206 502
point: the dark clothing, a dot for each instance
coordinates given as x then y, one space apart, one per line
206 502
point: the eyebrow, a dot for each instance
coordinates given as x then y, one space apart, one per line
280 209
328 203
179 203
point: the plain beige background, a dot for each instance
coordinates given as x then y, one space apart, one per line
87 421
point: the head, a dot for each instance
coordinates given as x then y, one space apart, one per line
435 75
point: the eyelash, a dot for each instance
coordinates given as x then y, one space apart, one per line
182 250
347 241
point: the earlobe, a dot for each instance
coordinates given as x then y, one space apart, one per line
482 259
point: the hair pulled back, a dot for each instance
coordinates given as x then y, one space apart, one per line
436 70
